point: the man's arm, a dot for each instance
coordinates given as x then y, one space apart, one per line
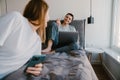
58 22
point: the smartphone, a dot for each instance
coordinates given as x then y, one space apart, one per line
36 59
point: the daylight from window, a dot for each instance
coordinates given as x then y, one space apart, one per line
119 36
117 24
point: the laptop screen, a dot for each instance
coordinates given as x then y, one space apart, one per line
67 37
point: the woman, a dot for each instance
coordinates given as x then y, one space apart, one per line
19 40
53 33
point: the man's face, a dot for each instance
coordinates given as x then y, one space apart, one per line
68 19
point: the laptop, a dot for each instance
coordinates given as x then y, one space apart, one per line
67 37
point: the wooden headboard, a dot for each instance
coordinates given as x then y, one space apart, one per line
80 27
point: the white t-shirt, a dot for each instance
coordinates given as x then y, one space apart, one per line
18 42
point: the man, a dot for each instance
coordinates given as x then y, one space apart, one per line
53 33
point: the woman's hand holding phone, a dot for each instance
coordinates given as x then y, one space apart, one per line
35 70
35 65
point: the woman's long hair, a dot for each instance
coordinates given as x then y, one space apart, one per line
36 10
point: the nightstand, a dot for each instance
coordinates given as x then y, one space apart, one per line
97 51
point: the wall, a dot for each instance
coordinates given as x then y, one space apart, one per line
97 34
0 7
3 7
13 5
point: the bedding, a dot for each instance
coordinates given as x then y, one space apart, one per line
69 66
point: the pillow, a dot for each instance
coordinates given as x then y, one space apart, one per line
80 27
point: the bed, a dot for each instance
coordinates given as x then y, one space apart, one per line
72 66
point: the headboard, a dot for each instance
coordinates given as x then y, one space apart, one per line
80 27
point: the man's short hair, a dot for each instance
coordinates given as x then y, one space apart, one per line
71 15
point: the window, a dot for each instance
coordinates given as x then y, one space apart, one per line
116 25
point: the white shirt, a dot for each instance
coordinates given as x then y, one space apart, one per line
18 42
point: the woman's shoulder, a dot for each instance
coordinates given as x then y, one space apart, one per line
15 14
12 15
